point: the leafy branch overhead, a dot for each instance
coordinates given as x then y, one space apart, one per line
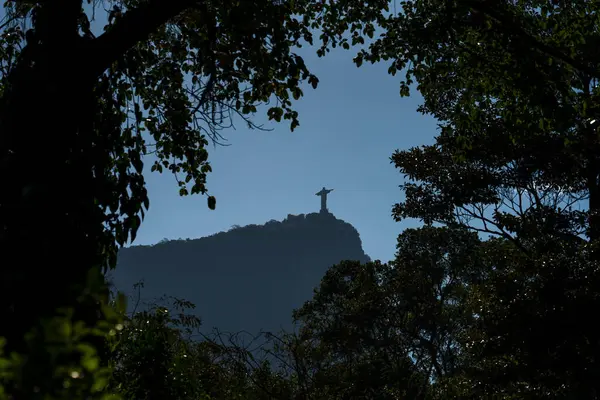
163 79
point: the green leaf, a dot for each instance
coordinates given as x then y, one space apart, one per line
65 328
91 364
138 164
212 202
358 60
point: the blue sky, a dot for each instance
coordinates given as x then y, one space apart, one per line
349 127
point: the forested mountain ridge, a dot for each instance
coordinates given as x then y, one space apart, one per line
249 278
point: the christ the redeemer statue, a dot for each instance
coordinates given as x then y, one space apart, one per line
323 193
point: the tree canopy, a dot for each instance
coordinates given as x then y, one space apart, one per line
514 88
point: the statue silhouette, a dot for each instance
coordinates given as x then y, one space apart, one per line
323 193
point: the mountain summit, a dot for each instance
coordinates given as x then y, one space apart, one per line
249 278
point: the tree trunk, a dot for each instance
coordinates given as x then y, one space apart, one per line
51 226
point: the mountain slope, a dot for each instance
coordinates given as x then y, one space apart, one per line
250 278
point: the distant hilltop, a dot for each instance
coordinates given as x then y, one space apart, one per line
249 278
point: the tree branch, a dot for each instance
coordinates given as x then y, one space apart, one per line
133 27
511 25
